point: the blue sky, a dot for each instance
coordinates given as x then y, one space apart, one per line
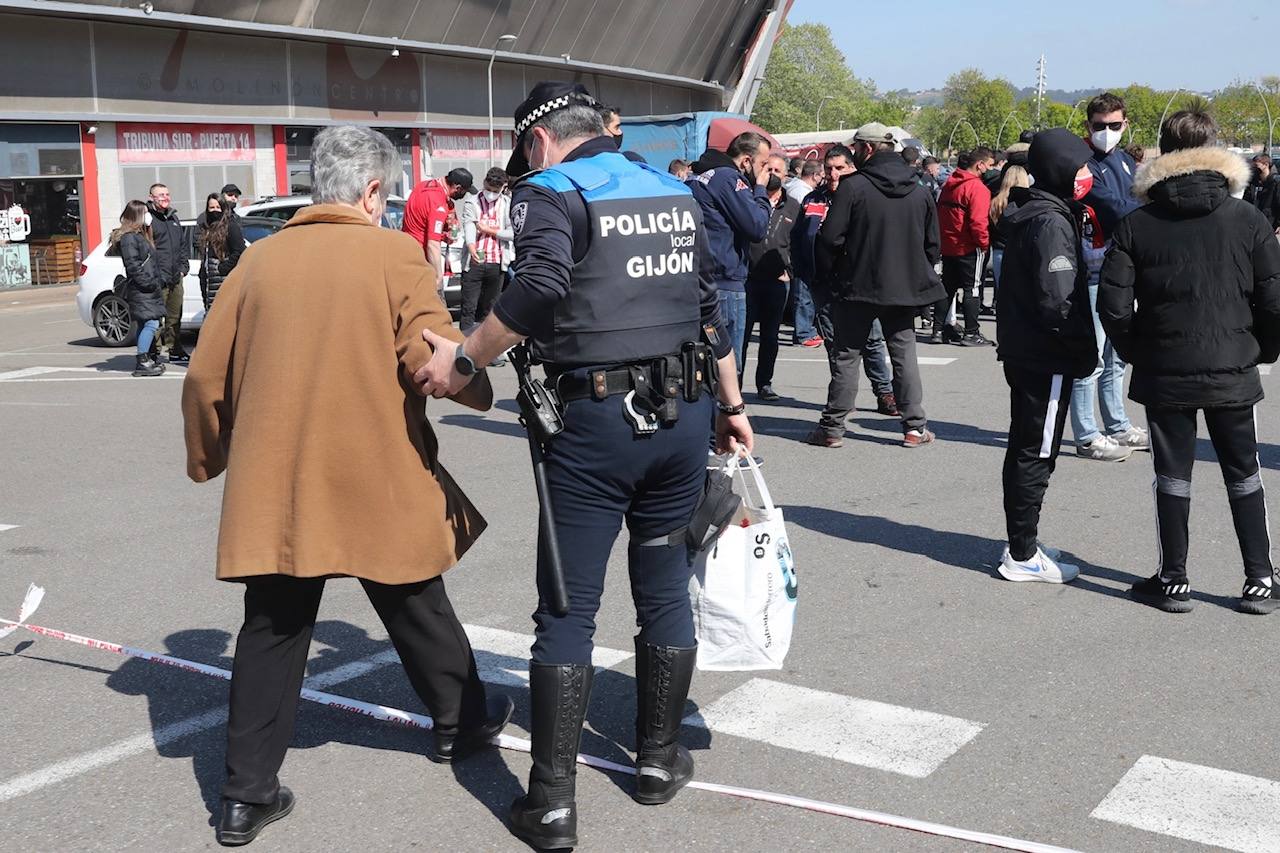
1197 44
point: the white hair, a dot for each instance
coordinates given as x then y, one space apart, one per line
344 159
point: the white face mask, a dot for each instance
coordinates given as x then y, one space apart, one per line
1106 139
490 195
146 219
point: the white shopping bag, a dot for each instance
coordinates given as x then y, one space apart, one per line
744 587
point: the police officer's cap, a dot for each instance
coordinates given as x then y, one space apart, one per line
544 99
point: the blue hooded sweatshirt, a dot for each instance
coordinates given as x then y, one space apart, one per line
735 214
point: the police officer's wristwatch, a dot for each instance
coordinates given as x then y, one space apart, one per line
726 409
463 363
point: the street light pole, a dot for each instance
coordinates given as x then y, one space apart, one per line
1267 106
1160 126
492 57
817 119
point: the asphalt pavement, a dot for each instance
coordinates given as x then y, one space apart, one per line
918 683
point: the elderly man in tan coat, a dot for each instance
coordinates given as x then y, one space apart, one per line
300 391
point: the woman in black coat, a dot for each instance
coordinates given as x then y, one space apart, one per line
142 281
1190 296
221 245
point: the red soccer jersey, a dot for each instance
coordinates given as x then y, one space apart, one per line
426 214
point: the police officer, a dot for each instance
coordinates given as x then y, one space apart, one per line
611 289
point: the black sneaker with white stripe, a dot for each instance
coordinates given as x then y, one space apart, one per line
1261 596
1172 596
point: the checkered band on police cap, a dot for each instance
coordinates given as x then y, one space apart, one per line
545 99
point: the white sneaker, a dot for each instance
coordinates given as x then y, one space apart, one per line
1052 553
1104 448
1135 438
1041 567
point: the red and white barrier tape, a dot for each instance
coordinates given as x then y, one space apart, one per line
420 721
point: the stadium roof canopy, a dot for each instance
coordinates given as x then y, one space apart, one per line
707 41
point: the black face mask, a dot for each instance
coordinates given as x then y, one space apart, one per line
775 184
617 140
861 156
213 216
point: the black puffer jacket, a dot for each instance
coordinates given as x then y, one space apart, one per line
771 257
142 278
1204 270
1264 194
171 244
214 270
1043 319
880 241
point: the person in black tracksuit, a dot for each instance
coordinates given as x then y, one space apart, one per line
1046 336
1263 191
1204 271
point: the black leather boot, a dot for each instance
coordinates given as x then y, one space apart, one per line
146 366
547 816
663 766
467 739
241 822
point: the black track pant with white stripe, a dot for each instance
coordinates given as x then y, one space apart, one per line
962 274
1038 404
1173 448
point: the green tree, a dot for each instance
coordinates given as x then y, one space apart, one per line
806 70
984 103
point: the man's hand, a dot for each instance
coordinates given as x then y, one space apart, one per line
732 432
475 256
487 230
438 378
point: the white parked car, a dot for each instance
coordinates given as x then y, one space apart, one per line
284 207
101 302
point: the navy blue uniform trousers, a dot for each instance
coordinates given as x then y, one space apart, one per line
601 475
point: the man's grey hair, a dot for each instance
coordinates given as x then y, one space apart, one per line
571 122
344 159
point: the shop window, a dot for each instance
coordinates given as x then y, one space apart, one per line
299 140
188 185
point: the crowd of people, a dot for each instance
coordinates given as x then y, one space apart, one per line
152 246
1094 264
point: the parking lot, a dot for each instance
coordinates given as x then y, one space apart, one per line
918 684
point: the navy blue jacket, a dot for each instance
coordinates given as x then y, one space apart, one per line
552 232
1112 194
805 232
735 214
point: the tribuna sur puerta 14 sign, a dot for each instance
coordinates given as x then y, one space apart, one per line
183 143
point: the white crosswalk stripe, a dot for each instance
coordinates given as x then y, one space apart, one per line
870 734
502 657
1216 807
4 527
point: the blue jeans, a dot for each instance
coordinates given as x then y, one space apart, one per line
997 261
803 329
146 335
733 310
1106 383
875 361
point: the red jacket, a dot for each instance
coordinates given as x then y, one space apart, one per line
964 209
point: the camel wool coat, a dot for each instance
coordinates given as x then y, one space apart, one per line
300 390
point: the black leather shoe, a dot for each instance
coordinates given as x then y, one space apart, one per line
465 741
241 822
180 356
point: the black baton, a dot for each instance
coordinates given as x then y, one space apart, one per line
540 416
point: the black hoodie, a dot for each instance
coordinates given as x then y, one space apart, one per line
1204 271
879 242
1043 318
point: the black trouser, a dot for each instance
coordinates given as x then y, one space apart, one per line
766 302
481 284
852 325
873 349
1038 404
963 275
601 474
170 336
271 658
1173 449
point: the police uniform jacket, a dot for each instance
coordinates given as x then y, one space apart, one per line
608 288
